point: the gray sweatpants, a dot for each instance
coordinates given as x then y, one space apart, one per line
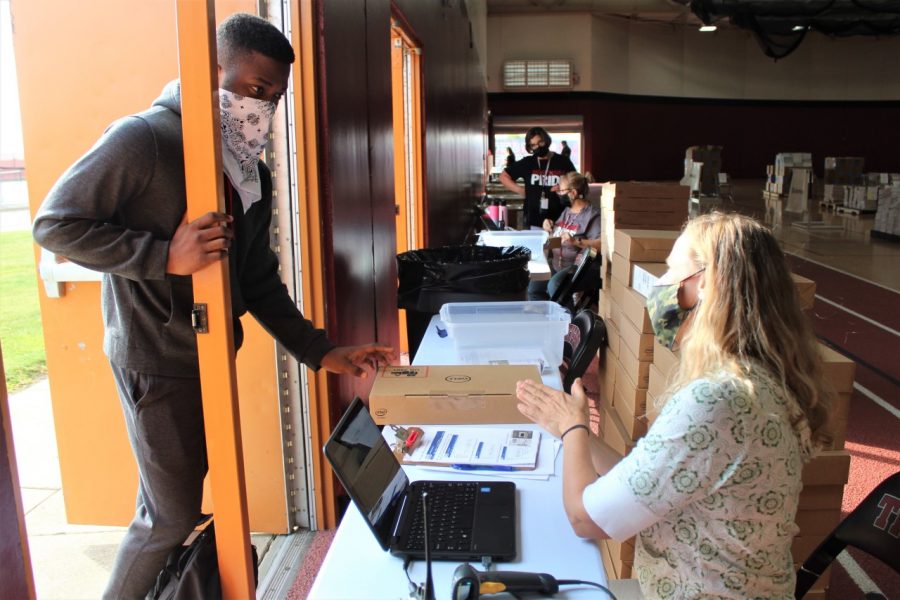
164 418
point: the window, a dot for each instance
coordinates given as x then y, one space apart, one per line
537 74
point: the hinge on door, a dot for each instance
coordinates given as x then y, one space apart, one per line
397 209
199 320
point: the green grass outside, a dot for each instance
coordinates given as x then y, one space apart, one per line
20 313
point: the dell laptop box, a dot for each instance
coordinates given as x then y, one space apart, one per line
483 524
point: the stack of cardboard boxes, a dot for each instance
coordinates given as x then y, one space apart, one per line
637 260
657 206
887 216
843 174
819 510
702 165
788 179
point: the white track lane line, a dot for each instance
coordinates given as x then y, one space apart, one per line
876 399
842 272
858 315
856 573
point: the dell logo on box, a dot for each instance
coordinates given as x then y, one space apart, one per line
458 378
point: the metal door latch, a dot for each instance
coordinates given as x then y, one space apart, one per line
199 320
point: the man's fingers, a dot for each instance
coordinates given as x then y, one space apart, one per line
210 219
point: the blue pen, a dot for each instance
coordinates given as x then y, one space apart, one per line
483 467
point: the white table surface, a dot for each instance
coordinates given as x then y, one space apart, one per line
357 568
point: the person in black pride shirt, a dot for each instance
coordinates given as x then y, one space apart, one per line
541 172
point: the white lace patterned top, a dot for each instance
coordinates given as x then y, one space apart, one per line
711 492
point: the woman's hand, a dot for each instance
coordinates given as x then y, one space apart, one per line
566 238
552 409
548 225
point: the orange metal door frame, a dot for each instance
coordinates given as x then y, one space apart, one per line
218 377
303 38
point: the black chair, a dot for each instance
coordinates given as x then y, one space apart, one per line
575 280
587 334
873 527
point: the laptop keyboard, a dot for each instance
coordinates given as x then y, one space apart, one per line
451 514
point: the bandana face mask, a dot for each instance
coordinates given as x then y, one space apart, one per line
666 315
245 129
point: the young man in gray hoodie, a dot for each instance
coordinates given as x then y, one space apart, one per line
121 210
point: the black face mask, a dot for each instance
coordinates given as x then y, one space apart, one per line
540 151
565 200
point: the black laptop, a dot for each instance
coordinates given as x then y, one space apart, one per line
467 520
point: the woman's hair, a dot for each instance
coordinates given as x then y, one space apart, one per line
577 182
750 313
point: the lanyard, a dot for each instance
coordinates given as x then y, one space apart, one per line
546 171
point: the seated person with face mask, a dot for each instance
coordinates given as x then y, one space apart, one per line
578 228
711 491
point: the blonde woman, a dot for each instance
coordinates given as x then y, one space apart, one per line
711 490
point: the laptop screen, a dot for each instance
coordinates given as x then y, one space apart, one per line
367 468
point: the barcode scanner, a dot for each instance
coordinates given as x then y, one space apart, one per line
469 583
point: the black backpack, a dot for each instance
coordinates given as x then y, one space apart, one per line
192 571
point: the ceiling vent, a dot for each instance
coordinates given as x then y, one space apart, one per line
537 74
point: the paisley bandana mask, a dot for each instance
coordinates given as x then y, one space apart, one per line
245 129
666 315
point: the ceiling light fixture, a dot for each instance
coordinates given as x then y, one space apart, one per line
798 28
706 28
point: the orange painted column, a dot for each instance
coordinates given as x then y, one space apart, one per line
218 378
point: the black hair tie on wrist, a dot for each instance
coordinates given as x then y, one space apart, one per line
562 436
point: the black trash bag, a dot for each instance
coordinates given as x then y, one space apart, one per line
478 270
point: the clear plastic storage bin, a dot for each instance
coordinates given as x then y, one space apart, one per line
539 324
533 239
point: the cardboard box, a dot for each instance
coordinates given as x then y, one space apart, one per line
806 291
653 410
664 359
657 383
645 189
640 344
455 394
837 421
818 522
644 245
621 551
616 318
603 304
821 497
803 546
616 290
839 369
608 378
634 308
629 391
831 467
621 268
637 370
612 335
661 219
631 410
613 433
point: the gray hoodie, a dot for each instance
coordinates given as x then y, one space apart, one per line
115 211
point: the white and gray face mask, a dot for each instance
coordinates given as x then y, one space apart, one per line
245 129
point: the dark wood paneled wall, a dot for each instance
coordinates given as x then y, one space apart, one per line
644 138
355 126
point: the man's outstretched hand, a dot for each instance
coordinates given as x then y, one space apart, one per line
357 360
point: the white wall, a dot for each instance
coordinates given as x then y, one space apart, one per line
624 56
